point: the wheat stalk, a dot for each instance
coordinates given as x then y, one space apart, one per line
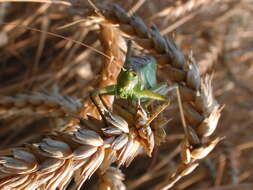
173 12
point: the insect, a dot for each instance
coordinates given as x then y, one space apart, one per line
136 81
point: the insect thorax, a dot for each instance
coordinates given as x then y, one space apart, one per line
127 82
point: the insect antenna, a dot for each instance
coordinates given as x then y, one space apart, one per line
60 36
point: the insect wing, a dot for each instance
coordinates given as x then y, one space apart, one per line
145 67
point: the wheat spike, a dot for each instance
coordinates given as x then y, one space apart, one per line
201 110
112 44
40 104
51 162
57 158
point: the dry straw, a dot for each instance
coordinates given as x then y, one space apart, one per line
173 12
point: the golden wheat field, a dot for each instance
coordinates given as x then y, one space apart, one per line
126 95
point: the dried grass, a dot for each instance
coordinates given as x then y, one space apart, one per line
74 150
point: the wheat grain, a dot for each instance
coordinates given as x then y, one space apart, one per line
112 180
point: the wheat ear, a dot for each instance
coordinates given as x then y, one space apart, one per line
57 158
200 108
112 44
40 104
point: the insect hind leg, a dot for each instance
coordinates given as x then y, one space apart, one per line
164 89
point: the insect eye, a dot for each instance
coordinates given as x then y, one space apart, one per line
134 73
131 73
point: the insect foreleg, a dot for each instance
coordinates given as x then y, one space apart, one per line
95 96
108 90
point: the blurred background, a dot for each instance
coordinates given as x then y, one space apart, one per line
219 34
